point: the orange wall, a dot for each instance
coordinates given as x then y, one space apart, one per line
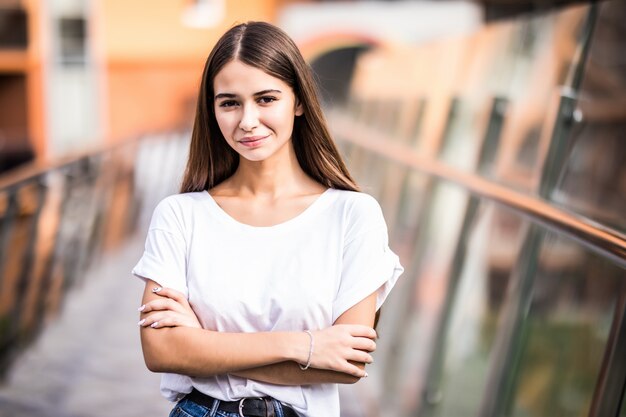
150 97
153 63
34 70
143 29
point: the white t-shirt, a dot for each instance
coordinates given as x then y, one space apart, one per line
300 274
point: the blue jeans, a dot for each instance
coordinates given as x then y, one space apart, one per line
187 408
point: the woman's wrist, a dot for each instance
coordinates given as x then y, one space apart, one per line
297 347
306 365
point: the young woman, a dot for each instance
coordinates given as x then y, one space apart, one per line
264 275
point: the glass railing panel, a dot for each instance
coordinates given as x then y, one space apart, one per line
485 255
499 314
354 157
391 118
411 131
417 306
20 244
484 75
460 147
367 170
345 149
543 52
55 220
412 201
463 275
391 188
591 180
565 330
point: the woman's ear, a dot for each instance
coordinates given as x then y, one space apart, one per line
299 109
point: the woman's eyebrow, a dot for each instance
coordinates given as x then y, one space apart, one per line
260 93
225 95
271 90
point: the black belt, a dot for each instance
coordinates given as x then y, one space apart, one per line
248 407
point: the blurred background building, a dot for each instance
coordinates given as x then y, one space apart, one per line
492 132
78 74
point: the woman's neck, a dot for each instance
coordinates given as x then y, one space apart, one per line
272 178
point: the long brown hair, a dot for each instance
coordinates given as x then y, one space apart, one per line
264 46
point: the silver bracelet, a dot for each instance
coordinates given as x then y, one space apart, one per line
308 361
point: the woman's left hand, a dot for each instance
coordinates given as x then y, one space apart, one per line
171 309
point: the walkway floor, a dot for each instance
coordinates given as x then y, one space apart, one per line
88 362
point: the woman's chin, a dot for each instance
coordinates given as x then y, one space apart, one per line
253 156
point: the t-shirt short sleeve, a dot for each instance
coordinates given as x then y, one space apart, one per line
164 257
368 264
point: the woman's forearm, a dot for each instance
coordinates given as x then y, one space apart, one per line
199 352
204 353
289 373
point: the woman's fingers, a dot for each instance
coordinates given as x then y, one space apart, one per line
360 356
352 368
161 304
363 343
359 337
177 296
358 330
160 319
355 371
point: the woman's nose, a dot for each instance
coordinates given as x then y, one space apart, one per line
249 118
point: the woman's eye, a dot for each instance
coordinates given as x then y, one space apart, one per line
228 103
266 99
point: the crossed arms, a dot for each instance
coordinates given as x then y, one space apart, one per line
173 341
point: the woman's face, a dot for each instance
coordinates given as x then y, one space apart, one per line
255 111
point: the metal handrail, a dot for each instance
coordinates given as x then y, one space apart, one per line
39 166
597 237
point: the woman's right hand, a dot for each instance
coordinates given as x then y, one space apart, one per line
170 309
341 348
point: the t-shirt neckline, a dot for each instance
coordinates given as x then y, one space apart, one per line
315 206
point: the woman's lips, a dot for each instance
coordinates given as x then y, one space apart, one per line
253 141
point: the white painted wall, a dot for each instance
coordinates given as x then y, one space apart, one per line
74 121
409 22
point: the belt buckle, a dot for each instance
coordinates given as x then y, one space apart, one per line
241 407
241 401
